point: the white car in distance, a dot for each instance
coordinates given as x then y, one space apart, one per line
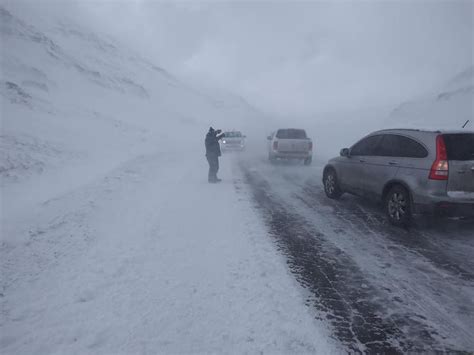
233 140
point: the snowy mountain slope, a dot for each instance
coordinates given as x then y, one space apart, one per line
66 87
448 107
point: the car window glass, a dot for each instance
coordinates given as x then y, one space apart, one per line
233 134
411 149
282 133
459 146
389 146
367 146
291 134
393 145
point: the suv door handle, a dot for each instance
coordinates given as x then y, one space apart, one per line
392 162
362 160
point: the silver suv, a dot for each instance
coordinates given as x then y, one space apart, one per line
290 143
411 171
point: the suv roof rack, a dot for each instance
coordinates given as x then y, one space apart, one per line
410 129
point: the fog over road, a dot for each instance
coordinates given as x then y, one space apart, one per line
381 288
112 241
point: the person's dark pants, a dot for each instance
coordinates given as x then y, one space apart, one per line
213 161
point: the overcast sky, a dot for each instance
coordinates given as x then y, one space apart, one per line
298 57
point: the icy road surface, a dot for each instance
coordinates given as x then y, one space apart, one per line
149 257
383 289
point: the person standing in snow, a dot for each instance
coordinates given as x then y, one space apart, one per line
213 152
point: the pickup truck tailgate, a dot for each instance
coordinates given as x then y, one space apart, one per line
293 145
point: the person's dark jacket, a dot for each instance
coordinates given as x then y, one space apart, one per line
212 143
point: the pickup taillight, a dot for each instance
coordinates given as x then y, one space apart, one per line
275 145
310 146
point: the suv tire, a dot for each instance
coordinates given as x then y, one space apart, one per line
331 185
398 206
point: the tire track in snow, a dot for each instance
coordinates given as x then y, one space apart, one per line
340 290
365 222
413 285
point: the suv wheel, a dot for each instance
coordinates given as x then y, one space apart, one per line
331 186
398 206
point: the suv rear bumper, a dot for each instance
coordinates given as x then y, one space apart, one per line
435 199
446 208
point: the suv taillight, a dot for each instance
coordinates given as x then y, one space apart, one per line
310 146
275 145
440 167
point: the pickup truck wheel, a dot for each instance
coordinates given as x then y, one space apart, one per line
398 206
308 161
331 185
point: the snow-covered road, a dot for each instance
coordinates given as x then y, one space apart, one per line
150 258
383 289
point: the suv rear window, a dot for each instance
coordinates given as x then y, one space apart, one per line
291 134
459 146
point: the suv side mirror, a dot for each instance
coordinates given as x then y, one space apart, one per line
345 152
269 138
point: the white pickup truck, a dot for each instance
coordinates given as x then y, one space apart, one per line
290 143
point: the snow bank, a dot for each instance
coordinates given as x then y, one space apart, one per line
153 258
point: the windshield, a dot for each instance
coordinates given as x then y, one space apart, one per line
233 134
291 134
